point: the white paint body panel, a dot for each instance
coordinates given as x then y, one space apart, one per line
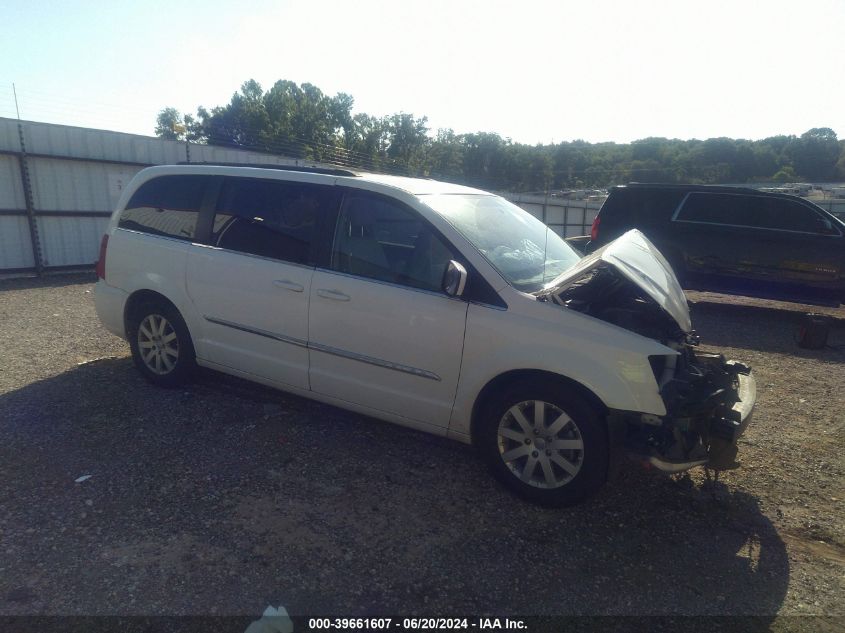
465 345
240 289
413 329
609 361
110 303
343 404
137 261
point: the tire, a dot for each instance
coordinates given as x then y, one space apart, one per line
161 345
558 476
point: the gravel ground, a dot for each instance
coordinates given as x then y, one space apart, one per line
225 496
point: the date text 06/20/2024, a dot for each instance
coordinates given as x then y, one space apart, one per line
415 624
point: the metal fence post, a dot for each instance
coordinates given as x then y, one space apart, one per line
30 207
545 207
565 220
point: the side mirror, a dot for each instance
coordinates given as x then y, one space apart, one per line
454 279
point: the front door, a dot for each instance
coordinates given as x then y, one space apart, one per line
382 332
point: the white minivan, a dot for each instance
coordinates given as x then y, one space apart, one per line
431 305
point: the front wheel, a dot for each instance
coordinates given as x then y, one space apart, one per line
161 344
545 442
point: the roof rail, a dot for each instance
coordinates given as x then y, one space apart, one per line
331 171
690 186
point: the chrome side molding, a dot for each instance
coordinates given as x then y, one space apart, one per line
334 351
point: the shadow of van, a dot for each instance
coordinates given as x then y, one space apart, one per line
252 497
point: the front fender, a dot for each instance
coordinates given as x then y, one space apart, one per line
610 362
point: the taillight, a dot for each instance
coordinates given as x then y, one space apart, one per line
594 230
101 262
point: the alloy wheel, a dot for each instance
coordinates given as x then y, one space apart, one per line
158 344
540 444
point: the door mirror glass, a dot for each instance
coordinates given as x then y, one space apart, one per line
454 279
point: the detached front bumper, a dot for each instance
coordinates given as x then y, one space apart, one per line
703 425
723 448
747 393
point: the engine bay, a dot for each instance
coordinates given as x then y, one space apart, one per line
602 292
699 389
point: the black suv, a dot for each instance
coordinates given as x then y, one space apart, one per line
734 239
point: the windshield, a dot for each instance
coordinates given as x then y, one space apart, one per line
523 249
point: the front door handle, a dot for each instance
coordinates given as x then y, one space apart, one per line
288 285
335 295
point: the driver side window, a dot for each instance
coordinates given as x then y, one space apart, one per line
381 239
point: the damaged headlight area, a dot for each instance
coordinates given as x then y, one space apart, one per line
708 401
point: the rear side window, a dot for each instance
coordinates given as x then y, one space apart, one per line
789 215
272 218
167 206
752 211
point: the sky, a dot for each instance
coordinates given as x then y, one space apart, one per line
535 72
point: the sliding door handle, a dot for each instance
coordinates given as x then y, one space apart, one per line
335 295
288 285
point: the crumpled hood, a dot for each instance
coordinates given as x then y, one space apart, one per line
635 257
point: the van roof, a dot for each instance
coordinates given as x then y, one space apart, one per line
414 186
419 186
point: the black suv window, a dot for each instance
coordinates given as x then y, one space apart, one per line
632 206
719 208
382 239
790 215
752 211
271 218
168 206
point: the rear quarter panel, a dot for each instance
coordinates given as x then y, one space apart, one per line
139 261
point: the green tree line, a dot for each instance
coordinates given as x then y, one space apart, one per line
300 121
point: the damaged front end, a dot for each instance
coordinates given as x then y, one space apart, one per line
708 399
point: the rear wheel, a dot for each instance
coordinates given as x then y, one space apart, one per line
544 442
161 344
